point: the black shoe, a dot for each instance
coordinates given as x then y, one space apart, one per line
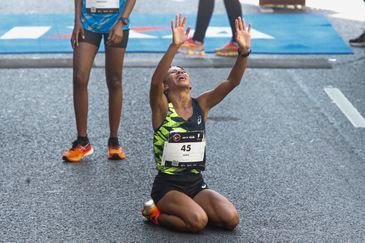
359 41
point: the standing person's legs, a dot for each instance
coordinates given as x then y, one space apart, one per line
234 10
205 12
83 58
194 46
114 58
220 210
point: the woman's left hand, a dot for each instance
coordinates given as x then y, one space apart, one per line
243 34
115 35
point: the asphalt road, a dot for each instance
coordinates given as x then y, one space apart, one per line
289 160
278 148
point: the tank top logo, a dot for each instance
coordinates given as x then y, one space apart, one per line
176 138
199 119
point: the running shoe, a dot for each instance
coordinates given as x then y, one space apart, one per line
151 212
192 48
229 50
79 150
359 41
115 152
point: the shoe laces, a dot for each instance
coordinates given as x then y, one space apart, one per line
76 144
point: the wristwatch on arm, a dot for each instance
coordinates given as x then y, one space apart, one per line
244 54
123 20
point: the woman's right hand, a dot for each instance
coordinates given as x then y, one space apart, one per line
179 35
76 33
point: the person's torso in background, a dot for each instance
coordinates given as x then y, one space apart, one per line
100 16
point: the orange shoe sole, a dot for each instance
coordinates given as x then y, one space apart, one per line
227 54
115 157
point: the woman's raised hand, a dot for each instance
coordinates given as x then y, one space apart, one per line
179 34
243 34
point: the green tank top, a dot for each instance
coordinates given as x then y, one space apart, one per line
173 123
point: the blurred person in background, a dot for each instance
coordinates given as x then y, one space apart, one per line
359 41
195 46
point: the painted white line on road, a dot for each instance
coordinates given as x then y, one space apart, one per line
136 35
25 32
224 32
345 106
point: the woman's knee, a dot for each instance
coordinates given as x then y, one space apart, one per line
198 221
114 82
80 81
231 220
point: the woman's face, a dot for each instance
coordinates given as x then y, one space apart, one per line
177 77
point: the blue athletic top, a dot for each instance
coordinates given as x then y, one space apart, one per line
101 20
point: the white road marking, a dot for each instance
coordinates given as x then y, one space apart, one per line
345 106
224 32
136 35
35 32
25 32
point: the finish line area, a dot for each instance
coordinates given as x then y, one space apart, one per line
274 33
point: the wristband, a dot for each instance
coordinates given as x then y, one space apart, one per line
244 54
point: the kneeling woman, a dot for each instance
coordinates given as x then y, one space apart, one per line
182 200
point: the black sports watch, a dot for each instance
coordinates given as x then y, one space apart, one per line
125 21
244 54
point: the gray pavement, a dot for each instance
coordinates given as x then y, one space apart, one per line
279 149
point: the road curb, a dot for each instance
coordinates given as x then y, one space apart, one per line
151 62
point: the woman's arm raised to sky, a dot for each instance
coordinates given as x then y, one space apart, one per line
243 38
158 101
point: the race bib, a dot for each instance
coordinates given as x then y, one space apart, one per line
102 6
184 149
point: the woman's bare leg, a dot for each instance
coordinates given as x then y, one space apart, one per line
219 209
83 59
113 68
180 212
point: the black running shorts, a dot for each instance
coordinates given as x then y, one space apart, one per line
190 184
95 39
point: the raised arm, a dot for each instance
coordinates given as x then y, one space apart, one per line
158 100
211 98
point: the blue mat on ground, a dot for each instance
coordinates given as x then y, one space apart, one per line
299 33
